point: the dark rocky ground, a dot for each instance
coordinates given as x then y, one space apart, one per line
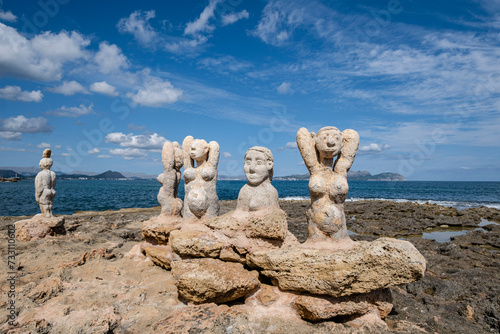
84 280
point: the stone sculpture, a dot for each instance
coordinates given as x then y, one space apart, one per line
249 253
172 159
44 223
200 181
45 182
328 155
156 230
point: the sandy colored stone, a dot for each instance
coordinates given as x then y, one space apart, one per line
328 155
200 178
157 229
366 267
195 244
266 294
319 308
39 227
211 280
97 253
229 254
161 255
172 160
267 225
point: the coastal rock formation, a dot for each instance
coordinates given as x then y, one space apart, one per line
200 200
44 223
328 155
366 267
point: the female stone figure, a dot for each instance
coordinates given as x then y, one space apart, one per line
327 187
172 159
200 198
45 183
258 193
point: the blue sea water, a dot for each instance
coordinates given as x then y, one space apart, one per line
17 199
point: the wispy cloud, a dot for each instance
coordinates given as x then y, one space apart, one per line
139 26
72 111
232 18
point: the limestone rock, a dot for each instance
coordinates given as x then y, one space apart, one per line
318 308
270 225
39 227
157 229
211 280
195 244
366 267
160 255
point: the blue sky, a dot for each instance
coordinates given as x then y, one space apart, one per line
104 84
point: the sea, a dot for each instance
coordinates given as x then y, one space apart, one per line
18 199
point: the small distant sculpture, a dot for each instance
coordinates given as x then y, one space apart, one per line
328 187
172 159
200 198
258 193
45 183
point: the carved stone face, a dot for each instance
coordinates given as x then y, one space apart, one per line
328 143
198 150
257 167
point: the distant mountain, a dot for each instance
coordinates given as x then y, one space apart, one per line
109 175
353 176
6 173
142 176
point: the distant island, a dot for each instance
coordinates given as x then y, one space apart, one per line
352 176
30 172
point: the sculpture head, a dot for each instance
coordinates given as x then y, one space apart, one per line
328 142
45 163
259 165
198 150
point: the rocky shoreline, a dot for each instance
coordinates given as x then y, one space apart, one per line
86 281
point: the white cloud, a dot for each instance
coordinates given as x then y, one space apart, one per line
103 87
7 16
95 150
25 125
39 58
14 93
284 88
69 88
234 17
57 147
226 155
72 111
129 153
290 146
11 149
103 156
65 154
201 24
185 45
137 24
146 141
9 135
156 92
110 58
43 145
224 64
374 148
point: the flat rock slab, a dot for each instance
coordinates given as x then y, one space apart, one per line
366 267
39 227
320 308
157 229
161 255
211 280
271 225
195 244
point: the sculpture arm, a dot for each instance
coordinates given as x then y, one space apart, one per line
38 187
350 143
168 156
307 148
178 156
213 153
186 146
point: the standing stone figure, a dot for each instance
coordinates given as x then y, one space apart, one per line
45 183
200 198
258 193
327 187
172 159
